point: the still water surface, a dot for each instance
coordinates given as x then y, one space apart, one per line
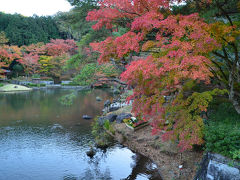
40 139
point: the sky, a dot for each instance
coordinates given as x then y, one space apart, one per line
30 7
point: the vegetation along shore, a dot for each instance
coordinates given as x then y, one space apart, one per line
172 66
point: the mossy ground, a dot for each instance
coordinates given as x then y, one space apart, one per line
14 87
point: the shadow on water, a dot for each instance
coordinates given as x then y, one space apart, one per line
41 139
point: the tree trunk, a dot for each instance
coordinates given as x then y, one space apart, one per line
232 96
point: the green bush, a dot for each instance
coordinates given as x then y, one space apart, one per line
222 132
1 84
70 84
35 85
102 138
86 76
36 76
106 124
108 70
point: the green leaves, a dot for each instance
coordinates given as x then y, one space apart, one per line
86 75
222 133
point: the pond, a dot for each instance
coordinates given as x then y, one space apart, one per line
42 139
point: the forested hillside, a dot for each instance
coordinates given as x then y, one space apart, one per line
21 30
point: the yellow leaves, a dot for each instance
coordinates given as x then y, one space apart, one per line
148 45
224 33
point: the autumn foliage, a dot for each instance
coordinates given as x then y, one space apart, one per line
48 59
179 48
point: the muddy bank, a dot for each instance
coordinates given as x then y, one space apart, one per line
172 164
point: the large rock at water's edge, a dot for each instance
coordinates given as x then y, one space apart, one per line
114 106
86 117
216 167
111 118
123 116
98 98
101 120
107 103
91 153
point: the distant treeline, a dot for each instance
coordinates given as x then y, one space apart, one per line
21 30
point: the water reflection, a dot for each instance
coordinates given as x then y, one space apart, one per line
39 139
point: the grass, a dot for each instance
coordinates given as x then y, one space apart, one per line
14 87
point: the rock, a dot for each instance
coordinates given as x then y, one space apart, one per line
111 109
114 106
123 116
101 120
91 153
98 98
116 91
86 117
215 166
111 117
107 103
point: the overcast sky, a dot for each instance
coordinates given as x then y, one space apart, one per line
30 7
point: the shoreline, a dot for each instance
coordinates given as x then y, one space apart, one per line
172 164
164 154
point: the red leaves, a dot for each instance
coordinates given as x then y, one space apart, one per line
30 62
147 22
6 57
183 44
58 47
106 48
28 56
117 48
112 10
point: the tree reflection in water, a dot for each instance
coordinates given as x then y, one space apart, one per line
143 166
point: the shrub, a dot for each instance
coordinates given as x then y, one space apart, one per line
71 84
1 85
108 70
102 138
86 76
107 125
36 76
222 132
35 85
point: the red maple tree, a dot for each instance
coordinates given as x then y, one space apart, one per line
179 47
58 47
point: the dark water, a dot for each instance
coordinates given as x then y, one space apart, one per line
44 140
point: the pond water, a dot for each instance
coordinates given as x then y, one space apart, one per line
42 139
